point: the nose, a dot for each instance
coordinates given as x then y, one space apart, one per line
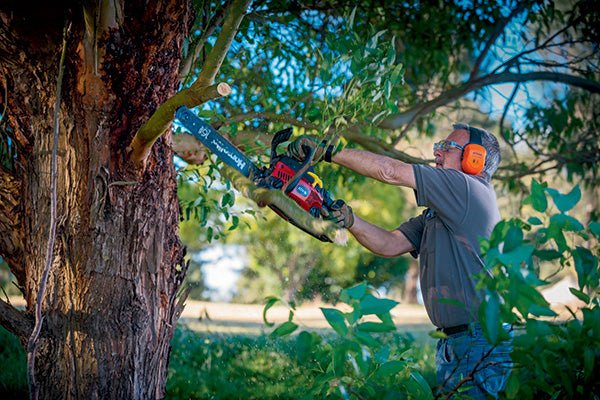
438 153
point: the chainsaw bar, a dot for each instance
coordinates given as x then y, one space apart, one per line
216 143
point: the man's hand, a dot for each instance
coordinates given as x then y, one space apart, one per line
339 213
302 147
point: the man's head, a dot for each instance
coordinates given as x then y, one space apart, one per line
448 154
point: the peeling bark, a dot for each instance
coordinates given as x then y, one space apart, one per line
11 232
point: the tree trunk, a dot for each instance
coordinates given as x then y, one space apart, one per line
110 307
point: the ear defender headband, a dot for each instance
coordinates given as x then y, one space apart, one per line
473 158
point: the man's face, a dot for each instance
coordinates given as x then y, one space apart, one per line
451 157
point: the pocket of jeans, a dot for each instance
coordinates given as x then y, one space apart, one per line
492 379
444 354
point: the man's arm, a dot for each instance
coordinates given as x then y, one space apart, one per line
379 240
382 168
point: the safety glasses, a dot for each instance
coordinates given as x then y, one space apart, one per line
445 145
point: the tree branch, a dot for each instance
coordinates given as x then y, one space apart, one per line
406 118
352 133
15 321
213 61
497 32
11 232
193 55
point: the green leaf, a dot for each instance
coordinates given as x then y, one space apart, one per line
355 292
235 221
423 391
512 386
586 266
270 302
373 305
547 255
366 339
489 316
537 198
513 239
284 329
390 368
376 327
303 346
594 227
541 311
351 18
580 295
339 359
336 320
589 357
534 221
228 199
518 256
565 202
564 222
435 334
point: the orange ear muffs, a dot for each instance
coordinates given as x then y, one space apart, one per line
473 159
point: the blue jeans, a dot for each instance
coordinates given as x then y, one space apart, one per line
462 353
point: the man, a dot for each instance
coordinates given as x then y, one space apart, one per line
461 207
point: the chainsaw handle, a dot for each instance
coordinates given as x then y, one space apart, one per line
291 184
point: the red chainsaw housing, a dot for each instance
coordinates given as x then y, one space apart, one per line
304 193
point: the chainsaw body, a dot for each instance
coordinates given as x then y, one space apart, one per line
305 189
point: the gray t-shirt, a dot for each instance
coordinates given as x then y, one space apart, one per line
461 208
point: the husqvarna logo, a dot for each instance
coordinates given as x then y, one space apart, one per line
203 132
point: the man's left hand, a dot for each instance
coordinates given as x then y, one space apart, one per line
339 213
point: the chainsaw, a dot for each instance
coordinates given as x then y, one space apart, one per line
297 179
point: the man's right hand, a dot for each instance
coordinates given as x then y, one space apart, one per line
339 213
302 147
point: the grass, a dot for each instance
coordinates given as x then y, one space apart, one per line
13 370
225 366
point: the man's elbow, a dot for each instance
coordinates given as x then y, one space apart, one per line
396 173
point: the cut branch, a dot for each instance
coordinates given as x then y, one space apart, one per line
15 321
140 146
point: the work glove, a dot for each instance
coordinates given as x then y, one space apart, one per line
339 213
300 148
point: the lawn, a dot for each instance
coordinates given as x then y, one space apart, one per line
216 365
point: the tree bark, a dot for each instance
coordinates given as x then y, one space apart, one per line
111 305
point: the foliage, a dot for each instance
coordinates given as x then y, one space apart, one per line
360 364
13 375
219 366
553 357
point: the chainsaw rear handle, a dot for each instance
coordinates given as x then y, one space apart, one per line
303 167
